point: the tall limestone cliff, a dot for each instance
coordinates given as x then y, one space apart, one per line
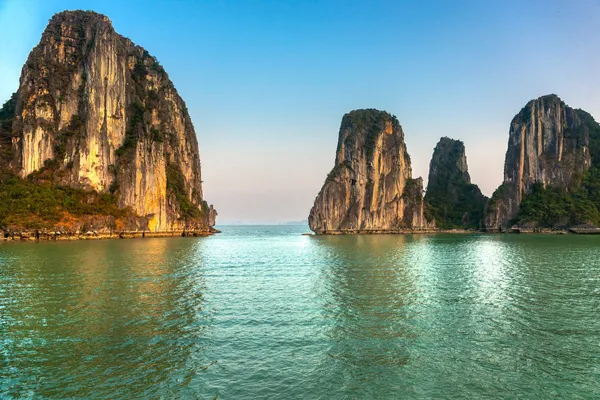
452 199
97 113
370 188
548 149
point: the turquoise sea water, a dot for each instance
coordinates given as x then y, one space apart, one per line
263 312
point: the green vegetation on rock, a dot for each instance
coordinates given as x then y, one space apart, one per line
580 204
461 208
555 207
30 204
335 172
7 116
136 124
452 200
176 185
371 120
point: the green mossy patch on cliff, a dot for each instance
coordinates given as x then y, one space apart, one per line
176 185
29 204
62 136
594 133
136 112
413 190
7 116
369 120
337 170
7 112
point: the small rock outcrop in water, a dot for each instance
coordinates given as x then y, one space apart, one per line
212 216
547 175
98 114
370 189
451 198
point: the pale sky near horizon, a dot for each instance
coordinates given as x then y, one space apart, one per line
267 82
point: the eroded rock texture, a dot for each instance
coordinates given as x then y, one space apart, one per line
103 115
370 189
548 144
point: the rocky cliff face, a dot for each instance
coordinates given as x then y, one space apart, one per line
370 188
549 144
451 197
96 112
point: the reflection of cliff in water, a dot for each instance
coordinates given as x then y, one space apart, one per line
369 296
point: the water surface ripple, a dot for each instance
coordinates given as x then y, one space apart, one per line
262 312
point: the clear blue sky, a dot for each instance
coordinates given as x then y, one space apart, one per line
267 82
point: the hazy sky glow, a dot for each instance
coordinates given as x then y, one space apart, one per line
267 82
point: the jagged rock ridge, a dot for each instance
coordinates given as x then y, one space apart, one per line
370 188
451 198
548 148
96 112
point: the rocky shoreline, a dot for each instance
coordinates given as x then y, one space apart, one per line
539 231
37 236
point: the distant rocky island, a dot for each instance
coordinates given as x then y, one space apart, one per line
551 178
370 189
97 140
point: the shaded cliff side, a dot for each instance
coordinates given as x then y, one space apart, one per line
452 199
548 176
370 188
98 115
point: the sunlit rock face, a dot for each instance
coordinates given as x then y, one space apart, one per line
370 188
548 143
104 115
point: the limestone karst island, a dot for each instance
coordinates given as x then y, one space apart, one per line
551 178
97 141
408 198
